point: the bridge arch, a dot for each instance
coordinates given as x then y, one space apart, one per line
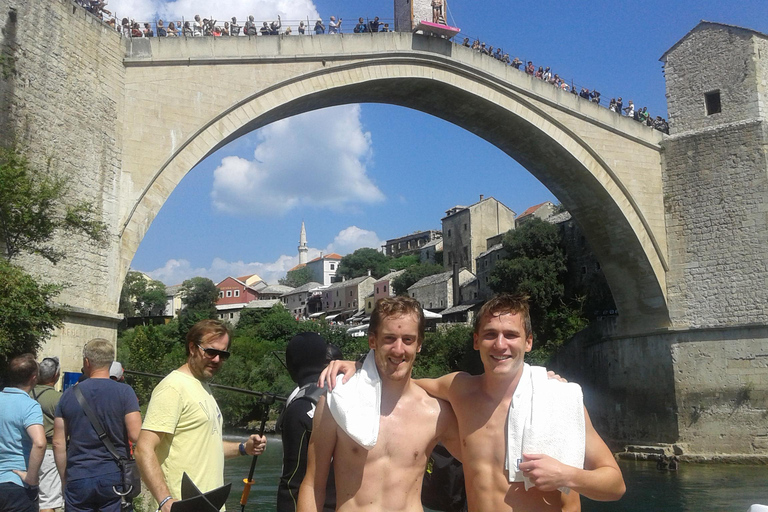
605 169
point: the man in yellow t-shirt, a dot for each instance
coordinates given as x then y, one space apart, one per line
182 431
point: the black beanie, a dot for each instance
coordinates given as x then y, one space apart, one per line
305 357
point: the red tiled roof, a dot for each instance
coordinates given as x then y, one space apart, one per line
244 278
332 256
297 267
532 209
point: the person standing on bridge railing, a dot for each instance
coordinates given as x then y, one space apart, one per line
373 26
334 27
234 28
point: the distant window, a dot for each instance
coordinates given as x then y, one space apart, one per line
465 226
430 304
221 294
229 293
231 315
583 269
712 99
597 265
385 288
349 305
237 293
449 233
350 293
377 289
333 266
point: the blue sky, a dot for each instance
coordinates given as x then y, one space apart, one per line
358 175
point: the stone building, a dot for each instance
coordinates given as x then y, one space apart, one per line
383 286
410 244
485 264
466 230
541 211
429 252
346 298
324 268
298 302
440 291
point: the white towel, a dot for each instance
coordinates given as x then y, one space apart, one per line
545 416
356 405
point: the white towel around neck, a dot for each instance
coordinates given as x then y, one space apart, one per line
545 416
356 404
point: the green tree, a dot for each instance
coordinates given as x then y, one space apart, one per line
404 262
141 297
28 314
198 299
33 208
414 274
363 260
297 277
535 265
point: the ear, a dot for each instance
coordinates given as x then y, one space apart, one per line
372 341
474 341
529 343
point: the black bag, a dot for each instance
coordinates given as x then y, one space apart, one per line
443 485
131 486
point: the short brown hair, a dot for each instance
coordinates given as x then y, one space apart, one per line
396 306
207 329
502 304
21 369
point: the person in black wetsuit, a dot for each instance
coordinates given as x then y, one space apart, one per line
305 357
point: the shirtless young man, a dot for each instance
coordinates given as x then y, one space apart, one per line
481 403
389 476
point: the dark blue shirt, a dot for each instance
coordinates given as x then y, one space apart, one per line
110 401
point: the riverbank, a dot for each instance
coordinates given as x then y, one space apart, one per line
657 451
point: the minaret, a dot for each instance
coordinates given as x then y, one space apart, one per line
303 249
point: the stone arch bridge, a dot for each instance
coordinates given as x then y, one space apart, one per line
128 118
185 98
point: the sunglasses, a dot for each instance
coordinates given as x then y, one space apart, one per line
212 353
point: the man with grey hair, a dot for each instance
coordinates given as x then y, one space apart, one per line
87 469
48 398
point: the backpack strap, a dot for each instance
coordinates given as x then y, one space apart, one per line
103 437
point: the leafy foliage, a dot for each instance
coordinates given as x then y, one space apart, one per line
361 261
33 208
27 312
535 265
404 262
414 274
198 299
297 277
445 351
141 297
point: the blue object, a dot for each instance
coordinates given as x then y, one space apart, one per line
70 379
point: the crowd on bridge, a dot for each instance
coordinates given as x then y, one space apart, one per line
545 74
209 27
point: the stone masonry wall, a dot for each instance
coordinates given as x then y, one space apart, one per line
705 390
716 200
711 58
716 180
64 104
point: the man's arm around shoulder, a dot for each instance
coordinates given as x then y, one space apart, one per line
441 386
322 444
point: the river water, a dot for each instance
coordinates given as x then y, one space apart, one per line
694 488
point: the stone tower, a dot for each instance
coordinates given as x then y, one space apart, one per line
303 249
716 177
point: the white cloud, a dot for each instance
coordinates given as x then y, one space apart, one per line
222 10
353 238
176 271
318 159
